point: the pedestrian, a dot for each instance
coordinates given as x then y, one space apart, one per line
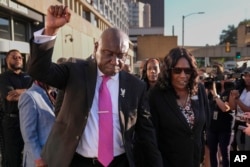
13 83
179 108
151 71
36 112
79 137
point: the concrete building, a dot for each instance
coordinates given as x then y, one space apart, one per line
147 15
209 55
157 12
139 14
149 43
243 35
20 18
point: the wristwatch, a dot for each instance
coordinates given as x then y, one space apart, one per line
216 96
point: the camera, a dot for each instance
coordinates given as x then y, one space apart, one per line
208 82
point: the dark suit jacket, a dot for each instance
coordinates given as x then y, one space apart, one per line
179 144
78 79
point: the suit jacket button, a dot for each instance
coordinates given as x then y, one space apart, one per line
77 137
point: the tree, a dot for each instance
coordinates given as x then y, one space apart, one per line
229 35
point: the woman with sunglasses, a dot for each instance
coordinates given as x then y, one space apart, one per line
179 108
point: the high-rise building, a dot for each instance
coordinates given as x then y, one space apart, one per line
157 12
139 14
147 15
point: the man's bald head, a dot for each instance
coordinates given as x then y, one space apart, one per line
111 51
116 35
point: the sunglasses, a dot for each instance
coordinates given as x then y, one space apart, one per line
178 70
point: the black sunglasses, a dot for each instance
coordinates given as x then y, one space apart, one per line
178 70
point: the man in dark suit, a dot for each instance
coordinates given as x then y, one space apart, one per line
73 140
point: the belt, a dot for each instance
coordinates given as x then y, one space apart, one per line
11 115
94 161
80 158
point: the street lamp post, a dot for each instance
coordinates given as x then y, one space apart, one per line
183 18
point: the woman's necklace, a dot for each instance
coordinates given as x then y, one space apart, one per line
183 105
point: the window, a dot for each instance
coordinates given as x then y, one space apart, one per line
20 31
247 29
5 28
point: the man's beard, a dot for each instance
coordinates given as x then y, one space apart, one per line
14 67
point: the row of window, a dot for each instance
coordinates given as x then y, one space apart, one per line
13 29
117 16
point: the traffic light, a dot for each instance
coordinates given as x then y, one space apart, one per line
227 47
237 55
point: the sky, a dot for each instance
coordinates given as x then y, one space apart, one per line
203 29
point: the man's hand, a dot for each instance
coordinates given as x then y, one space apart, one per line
40 163
57 16
247 130
235 94
14 95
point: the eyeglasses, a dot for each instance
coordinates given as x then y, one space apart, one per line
178 70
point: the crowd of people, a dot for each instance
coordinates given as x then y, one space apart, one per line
103 115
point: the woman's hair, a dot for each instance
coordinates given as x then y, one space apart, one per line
170 61
144 71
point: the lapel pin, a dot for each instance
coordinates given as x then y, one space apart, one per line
123 92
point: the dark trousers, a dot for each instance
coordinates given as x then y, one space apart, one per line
80 161
223 140
13 141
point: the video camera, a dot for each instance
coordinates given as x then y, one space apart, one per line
208 82
236 82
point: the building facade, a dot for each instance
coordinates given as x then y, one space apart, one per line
157 12
139 14
20 18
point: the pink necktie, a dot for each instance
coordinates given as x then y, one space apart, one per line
105 147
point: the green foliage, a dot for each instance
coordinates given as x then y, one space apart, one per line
229 35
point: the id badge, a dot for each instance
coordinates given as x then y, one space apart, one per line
215 115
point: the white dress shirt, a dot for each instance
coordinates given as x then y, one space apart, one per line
88 145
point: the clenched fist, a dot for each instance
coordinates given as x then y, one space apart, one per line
57 16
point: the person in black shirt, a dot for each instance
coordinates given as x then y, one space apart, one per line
221 125
13 83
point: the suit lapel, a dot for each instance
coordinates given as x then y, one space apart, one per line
173 107
91 75
123 89
196 106
45 97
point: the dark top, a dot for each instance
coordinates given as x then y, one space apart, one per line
10 81
225 120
